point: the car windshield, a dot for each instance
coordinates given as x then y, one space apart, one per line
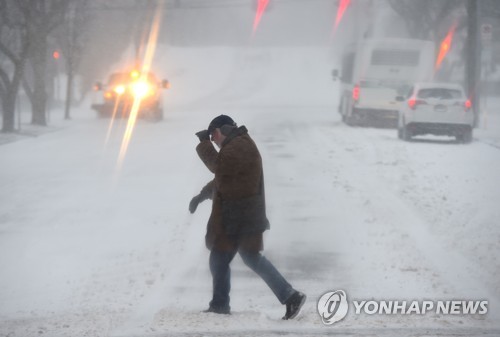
122 78
440 93
118 78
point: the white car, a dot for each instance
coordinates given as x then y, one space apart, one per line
436 109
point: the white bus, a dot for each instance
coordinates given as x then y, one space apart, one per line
374 72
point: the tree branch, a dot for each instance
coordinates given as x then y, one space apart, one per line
7 52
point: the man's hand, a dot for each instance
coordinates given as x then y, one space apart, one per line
203 135
193 205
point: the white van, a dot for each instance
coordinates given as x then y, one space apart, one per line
374 72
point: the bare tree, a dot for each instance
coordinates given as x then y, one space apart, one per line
15 43
41 18
424 18
26 29
490 8
432 20
110 33
72 38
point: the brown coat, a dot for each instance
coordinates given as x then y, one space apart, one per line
238 216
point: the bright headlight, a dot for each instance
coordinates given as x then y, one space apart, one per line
120 89
141 89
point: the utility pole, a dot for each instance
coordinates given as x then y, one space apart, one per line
473 64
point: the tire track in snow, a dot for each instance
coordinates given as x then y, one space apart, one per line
450 273
180 272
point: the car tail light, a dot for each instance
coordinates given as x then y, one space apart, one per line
412 103
468 104
355 93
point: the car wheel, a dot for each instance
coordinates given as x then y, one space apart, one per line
400 133
159 114
465 137
348 120
400 125
103 114
345 110
406 133
352 118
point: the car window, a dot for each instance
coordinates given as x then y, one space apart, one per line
404 89
123 78
400 87
370 84
440 93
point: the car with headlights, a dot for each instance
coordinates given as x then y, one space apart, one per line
440 109
128 91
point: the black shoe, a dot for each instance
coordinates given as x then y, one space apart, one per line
223 311
294 304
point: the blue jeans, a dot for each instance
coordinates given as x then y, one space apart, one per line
221 276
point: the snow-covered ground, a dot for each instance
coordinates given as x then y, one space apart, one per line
92 248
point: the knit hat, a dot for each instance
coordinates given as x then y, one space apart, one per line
220 121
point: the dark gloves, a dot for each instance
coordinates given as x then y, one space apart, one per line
206 193
193 205
203 135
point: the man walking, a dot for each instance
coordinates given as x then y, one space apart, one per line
238 218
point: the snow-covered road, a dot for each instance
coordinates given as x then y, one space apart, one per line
89 248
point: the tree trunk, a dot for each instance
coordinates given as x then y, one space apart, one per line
39 103
473 58
69 95
9 104
9 113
